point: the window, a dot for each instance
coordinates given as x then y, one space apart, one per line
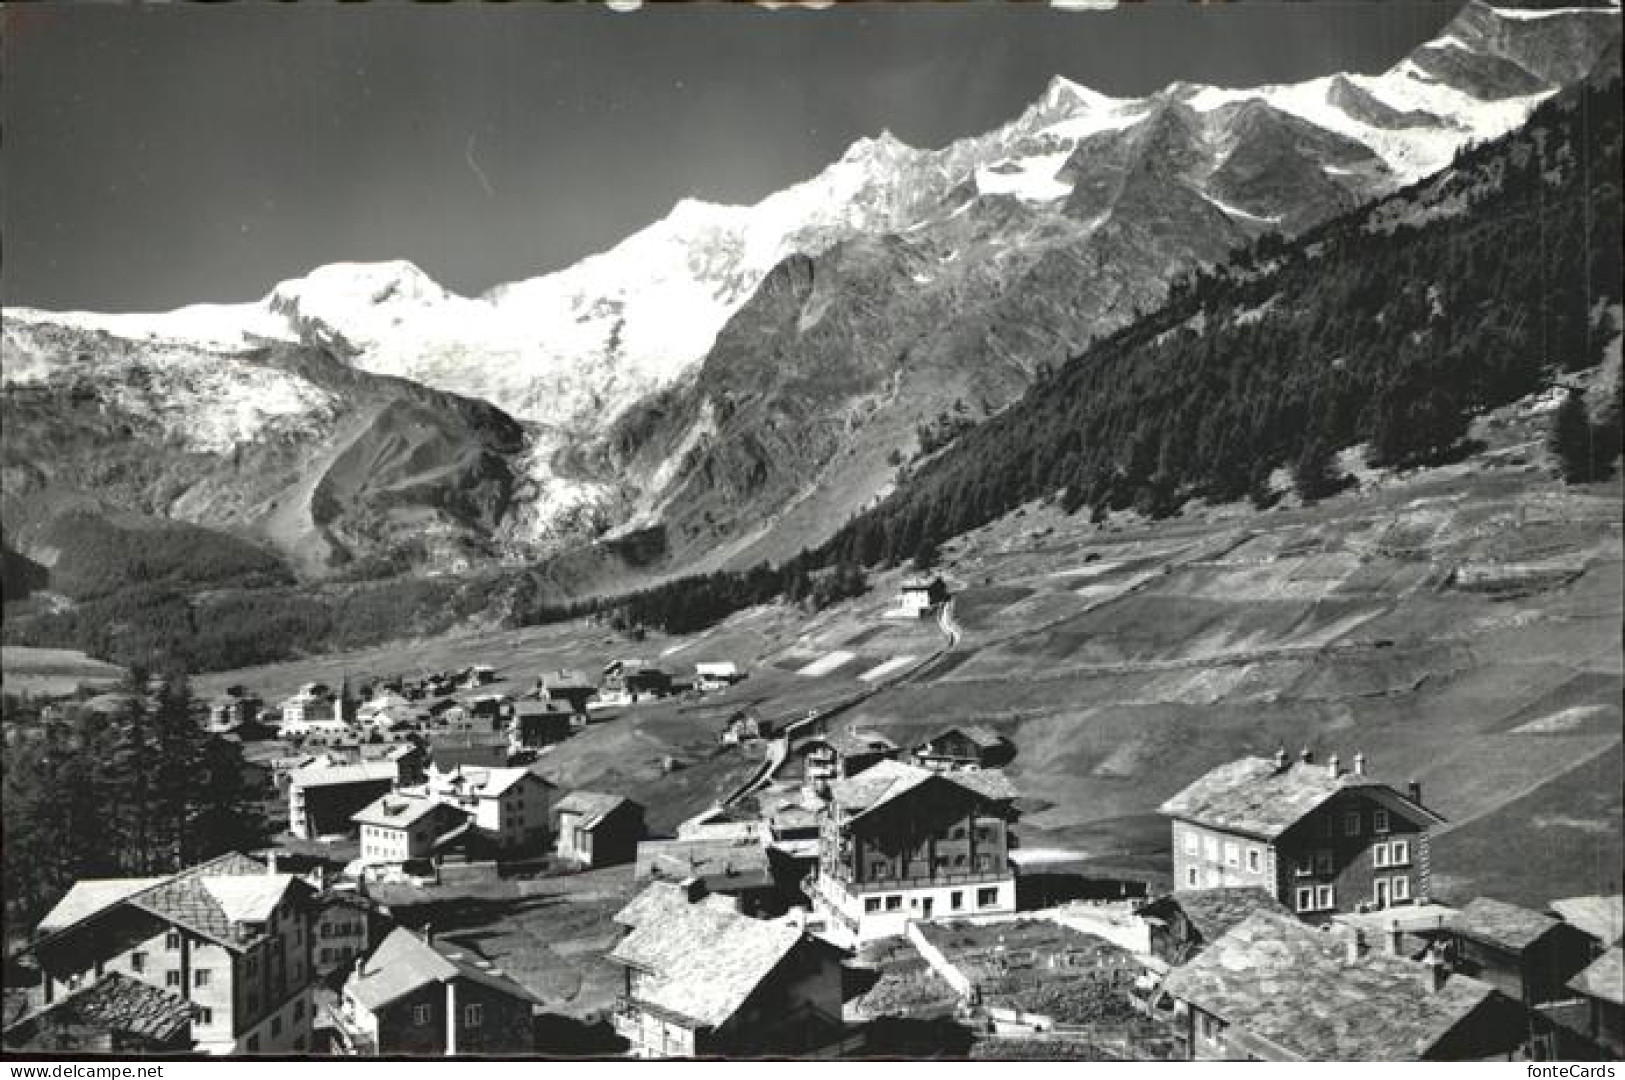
1255 861
1402 887
1379 855
1379 820
473 1015
421 1014
956 900
1190 877
987 897
138 961
253 1044
958 833
1324 862
1306 899
327 930
877 869
1328 826
1399 853
1325 899
871 904
172 941
1210 1028
1193 843
1304 866
205 1016
276 1025
200 977
172 978
942 862
1232 853
894 903
1351 823
984 863
984 832
327 956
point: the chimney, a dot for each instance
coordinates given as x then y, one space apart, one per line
1396 938
1414 790
271 861
1307 756
1333 767
693 889
1280 758
1359 764
428 933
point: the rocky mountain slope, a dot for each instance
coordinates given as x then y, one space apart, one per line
769 364
282 445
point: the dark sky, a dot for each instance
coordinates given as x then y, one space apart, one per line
159 155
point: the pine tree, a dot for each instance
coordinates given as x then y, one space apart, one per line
1571 439
1313 476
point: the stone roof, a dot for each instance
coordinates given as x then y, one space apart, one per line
1214 911
247 897
1281 981
405 962
90 897
1255 797
397 811
982 736
116 1004
187 899
1505 925
703 961
888 780
726 865
593 806
568 679
361 772
1604 979
1603 917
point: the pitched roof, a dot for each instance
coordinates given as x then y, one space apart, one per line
1507 925
593 806
657 896
114 1003
1256 797
90 897
1604 979
703 961
1214 911
397 811
247 897
361 772
1603 917
188 900
876 786
497 781
846 742
725 864
568 679
1277 979
984 737
404 962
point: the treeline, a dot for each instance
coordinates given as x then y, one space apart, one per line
137 792
1391 326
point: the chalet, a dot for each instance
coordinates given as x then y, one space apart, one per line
400 827
323 798
704 981
116 1014
1321 839
738 869
233 709
345 925
1183 923
745 726
571 688
970 746
231 937
1602 986
595 829
633 681
1529 956
716 675
540 723
507 807
451 750
839 754
313 703
899 843
1274 989
919 598
417 996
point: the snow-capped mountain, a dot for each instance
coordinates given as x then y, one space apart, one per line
817 329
